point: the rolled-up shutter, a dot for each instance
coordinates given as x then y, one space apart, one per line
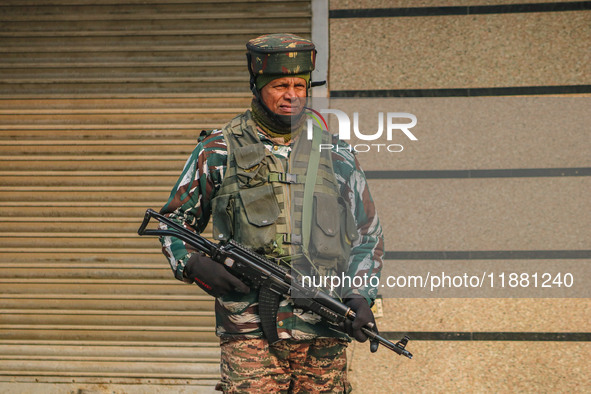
101 102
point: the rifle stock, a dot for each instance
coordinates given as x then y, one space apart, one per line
271 280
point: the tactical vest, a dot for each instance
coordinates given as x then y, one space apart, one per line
260 201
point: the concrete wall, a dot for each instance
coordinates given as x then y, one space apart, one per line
531 51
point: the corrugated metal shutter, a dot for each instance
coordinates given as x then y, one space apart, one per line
100 104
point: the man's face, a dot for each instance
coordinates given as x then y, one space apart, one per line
285 96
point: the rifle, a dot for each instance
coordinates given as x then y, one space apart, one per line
271 280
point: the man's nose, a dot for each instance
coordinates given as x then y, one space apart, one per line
290 93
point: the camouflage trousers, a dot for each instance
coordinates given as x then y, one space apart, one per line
314 366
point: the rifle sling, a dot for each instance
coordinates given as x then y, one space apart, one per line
311 175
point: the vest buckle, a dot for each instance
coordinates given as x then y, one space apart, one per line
282 177
294 239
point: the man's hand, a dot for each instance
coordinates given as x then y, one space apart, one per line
213 277
364 316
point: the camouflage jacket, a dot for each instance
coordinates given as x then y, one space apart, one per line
236 314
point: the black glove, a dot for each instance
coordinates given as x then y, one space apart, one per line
212 277
364 317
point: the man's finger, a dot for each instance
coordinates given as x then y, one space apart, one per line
373 347
360 336
349 327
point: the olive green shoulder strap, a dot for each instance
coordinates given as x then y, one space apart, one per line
309 186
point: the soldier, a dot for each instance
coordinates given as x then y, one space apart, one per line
250 176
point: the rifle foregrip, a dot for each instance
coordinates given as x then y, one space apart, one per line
320 303
326 313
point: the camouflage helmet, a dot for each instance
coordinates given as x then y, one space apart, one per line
280 54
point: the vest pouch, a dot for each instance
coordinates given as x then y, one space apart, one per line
222 217
349 232
326 242
251 171
255 219
349 226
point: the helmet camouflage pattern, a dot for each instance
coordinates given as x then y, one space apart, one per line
281 54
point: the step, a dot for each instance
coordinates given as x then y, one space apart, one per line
228 34
125 75
204 350
95 286
86 255
106 80
142 102
144 197
123 48
122 119
115 113
55 226
80 204
295 22
88 271
155 10
108 332
95 258
78 240
61 266
253 15
85 54
85 153
93 144
195 128
263 25
56 181
13 3
67 143
117 88
125 97
132 71
81 201
127 7
135 190
168 369
30 150
148 38
144 319
73 219
172 163
74 208
196 301
116 133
